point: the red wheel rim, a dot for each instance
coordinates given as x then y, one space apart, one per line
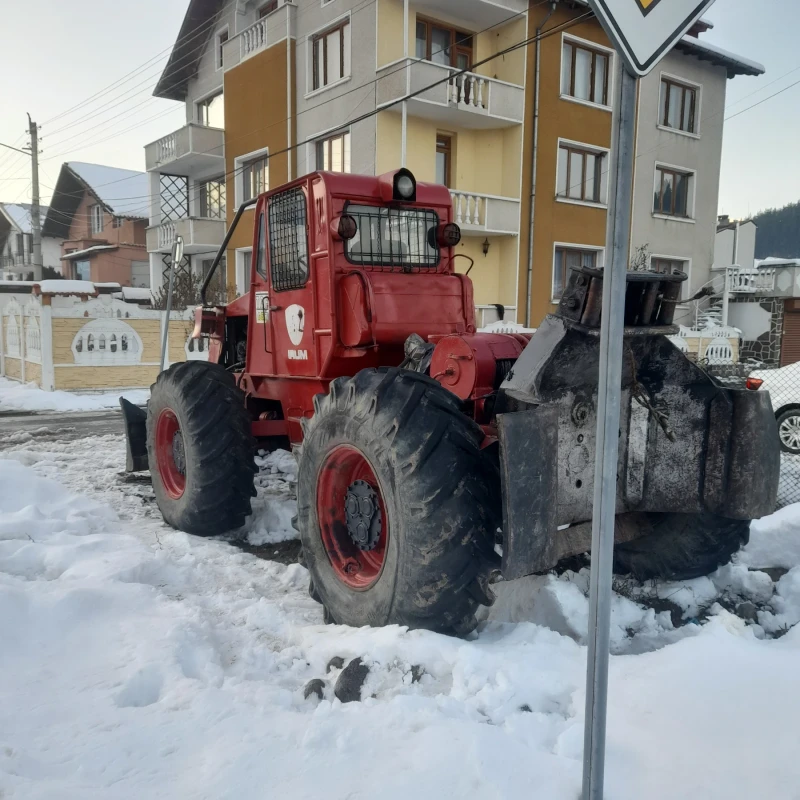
170 454
344 472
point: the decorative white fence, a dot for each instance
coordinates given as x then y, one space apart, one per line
253 39
469 89
469 209
166 148
743 280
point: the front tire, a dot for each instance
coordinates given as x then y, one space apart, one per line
397 504
200 449
680 547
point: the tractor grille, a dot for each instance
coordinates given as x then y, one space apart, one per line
393 239
288 240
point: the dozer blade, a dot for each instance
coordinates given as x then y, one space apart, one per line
135 436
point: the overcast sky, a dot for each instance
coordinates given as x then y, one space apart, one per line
56 55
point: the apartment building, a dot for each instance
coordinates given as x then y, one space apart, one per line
277 89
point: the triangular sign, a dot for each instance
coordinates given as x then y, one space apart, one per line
644 31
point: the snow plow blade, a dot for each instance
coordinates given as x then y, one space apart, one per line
135 419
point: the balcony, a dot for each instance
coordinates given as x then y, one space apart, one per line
193 150
742 280
464 100
260 36
477 14
200 235
485 214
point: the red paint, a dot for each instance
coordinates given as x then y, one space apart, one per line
358 569
166 427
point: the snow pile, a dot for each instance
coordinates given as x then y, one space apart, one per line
138 661
63 286
774 540
276 503
28 397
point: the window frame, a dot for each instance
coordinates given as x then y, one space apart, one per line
117 222
96 218
663 107
204 104
566 247
265 9
602 156
691 175
685 260
203 204
447 149
455 46
220 45
595 49
323 35
239 165
326 142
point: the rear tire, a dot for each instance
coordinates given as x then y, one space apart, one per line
394 447
200 449
789 430
681 546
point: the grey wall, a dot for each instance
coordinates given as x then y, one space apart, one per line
724 247
686 240
323 110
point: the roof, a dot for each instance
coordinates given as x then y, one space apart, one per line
88 251
731 225
122 192
736 65
778 262
188 49
19 215
61 286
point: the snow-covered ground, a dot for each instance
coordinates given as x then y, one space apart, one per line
15 396
137 661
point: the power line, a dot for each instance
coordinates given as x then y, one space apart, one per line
775 94
24 152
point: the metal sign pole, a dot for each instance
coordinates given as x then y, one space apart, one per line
608 415
177 257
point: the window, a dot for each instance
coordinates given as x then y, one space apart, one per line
443 45
584 73
20 243
211 111
565 259
96 215
393 237
671 194
255 178
243 261
678 106
83 270
117 222
667 266
331 55
444 160
580 174
288 240
267 8
29 242
212 198
333 154
222 37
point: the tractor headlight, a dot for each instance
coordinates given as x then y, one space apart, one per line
405 186
345 227
448 234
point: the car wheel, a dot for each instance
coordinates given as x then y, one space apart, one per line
789 430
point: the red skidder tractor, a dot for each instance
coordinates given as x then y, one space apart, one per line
427 449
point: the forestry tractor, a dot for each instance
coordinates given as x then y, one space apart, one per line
433 459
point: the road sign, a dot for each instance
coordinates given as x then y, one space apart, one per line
643 31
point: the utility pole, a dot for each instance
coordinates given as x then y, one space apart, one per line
36 220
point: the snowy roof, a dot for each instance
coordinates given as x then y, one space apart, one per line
124 192
19 215
778 262
67 287
736 65
88 250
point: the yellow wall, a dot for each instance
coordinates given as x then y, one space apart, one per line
179 331
104 377
33 372
484 161
65 329
555 221
13 368
256 110
511 67
390 31
493 276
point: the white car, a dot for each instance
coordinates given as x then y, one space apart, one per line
783 386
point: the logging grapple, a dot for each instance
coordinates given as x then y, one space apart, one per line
433 458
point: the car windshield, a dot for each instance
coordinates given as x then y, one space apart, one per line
393 237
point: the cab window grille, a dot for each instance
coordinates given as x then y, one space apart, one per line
393 238
288 240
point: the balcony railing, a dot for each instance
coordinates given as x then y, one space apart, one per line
13 261
261 35
485 213
200 235
191 150
744 280
446 95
